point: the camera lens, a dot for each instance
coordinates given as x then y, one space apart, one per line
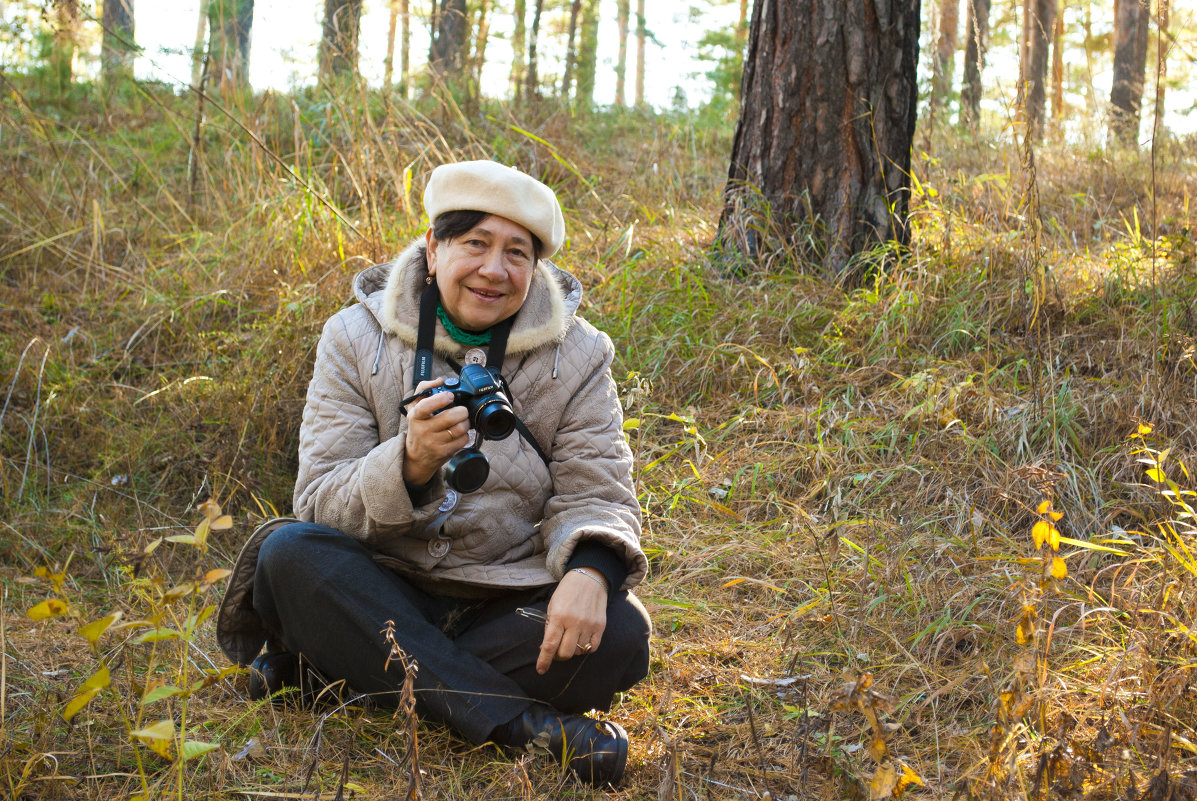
493 418
467 470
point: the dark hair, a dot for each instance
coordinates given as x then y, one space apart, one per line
452 224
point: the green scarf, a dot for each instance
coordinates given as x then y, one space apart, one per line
458 335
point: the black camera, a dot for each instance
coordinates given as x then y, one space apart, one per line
480 390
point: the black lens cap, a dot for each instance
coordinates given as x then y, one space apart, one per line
467 470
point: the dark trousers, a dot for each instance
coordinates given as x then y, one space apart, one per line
328 601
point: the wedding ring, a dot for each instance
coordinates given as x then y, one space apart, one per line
585 647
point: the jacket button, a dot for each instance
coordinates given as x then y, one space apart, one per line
439 547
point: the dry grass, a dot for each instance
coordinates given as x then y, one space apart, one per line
836 482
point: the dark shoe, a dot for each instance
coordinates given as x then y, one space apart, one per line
274 671
597 751
271 672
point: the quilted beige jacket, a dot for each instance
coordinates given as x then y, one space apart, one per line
520 529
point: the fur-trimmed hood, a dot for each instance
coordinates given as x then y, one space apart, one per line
391 292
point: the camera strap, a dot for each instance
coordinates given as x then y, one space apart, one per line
496 353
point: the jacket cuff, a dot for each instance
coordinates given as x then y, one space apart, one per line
604 559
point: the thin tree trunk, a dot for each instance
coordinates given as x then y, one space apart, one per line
945 54
1090 46
1163 19
338 44
1058 68
533 84
201 36
117 46
975 46
518 44
65 42
623 11
388 63
482 28
826 125
1040 19
587 57
1131 28
404 47
230 24
447 52
641 42
571 55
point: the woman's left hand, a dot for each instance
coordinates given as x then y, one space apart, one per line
577 616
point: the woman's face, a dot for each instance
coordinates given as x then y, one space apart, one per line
483 274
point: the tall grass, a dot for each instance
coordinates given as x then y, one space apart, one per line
838 482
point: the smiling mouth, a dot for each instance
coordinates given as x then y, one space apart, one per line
485 294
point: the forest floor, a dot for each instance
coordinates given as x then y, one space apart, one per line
927 533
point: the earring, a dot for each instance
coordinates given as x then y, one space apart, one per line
428 280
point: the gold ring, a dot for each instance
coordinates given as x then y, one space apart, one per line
585 647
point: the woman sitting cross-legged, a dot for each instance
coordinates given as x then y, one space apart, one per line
463 475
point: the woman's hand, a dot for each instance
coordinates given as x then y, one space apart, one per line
577 615
435 431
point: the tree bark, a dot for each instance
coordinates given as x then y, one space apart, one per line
388 63
587 57
1040 17
230 24
482 30
571 54
976 44
518 43
117 45
1131 27
1058 67
404 47
65 42
446 55
1163 17
945 54
201 36
641 42
623 11
826 125
533 82
338 44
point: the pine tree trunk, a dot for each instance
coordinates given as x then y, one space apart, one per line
826 125
482 29
1058 68
945 54
587 57
1131 28
338 44
65 42
623 11
117 46
1040 18
533 83
571 54
446 55
976 44
230 23
1163 18
388 63
518 39
404 47
641 42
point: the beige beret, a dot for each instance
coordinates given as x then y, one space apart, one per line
496 189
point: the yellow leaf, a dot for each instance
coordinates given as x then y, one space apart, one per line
159 737
99 680
188 539
92 631
1053 537
201 532
76 704
222 523
1039 533
733 582
1057 569
153 546
1025 631
210 509
1157 475
631 423
179 590
1144 429
884 780
51 607
908 778
1044 507
157 635
1055 515
215 575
